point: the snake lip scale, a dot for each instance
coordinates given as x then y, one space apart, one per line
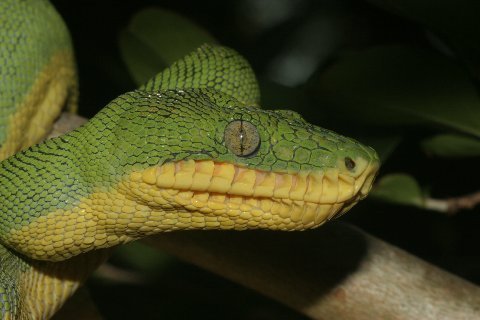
305 198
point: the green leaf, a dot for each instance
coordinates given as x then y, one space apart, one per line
398 86
384 144
142 258
451 145
277 96
455 21
398 188
155 38
142 62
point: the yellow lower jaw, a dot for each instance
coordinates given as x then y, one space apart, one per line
187 195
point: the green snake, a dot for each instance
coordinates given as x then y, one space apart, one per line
190 149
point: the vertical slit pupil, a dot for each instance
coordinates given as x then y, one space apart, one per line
242 137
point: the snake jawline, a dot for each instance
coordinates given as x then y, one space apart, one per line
190 195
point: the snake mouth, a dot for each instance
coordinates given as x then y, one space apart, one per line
228 196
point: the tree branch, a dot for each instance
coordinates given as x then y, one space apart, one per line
334 272
453 205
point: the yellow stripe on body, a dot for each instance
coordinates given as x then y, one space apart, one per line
53 88
187 195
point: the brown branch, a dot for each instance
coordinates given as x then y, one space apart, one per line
464 202
453 205
67 122
334 272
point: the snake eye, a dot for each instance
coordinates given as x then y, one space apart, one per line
349 163
242 138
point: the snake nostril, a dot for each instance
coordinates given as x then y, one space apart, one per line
349 163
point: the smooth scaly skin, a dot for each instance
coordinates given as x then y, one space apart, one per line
156 160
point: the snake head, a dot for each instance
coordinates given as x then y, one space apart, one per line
227 166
